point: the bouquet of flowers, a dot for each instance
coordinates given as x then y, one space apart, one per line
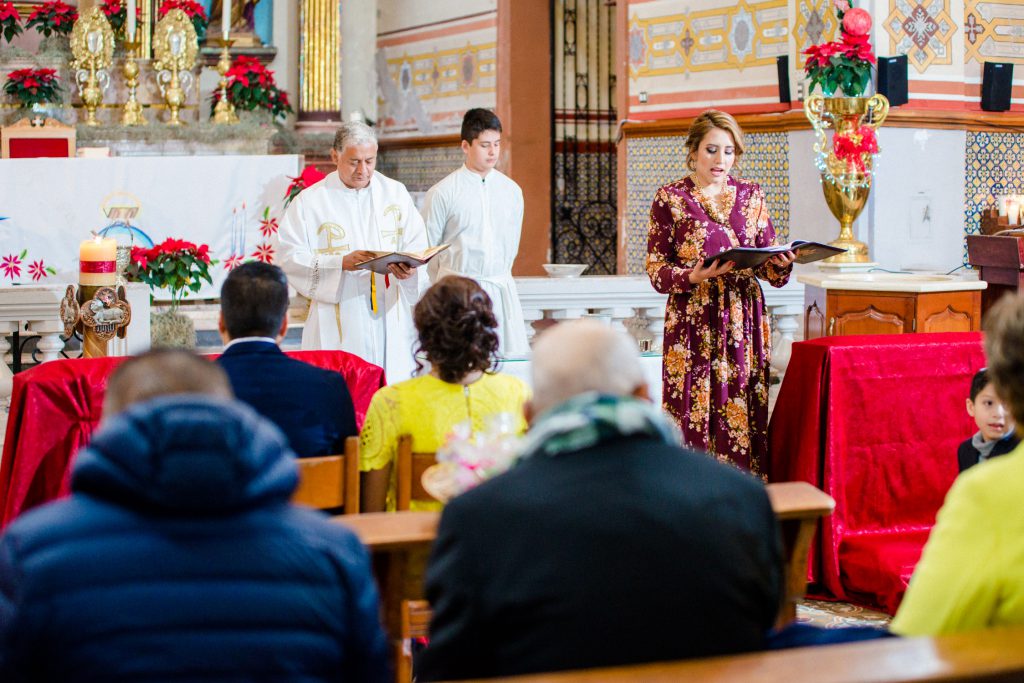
844 64
33 86
10 21
176 265
251 87
467 459
309 176
116 12
193 10
53 17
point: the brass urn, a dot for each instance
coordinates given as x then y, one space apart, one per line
845 182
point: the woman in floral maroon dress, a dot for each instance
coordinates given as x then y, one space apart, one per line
717 340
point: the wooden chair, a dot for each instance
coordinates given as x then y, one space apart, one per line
408 477
37 137
330 481
415 624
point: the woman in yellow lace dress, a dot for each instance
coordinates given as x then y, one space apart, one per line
458 335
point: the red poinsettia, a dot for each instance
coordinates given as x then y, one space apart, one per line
844 64
116 12
309 176
53 17
264 252
177 265
854 147
11 265
39 270
268 225
193 10
10 21
251 87
33 86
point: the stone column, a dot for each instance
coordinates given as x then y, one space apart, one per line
358 66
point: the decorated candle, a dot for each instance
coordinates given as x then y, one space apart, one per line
225 18
97 259
1013 212
130 31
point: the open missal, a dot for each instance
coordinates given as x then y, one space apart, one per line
752 257
380 262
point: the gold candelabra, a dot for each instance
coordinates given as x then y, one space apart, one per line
224 112
92 43
131 115
175 46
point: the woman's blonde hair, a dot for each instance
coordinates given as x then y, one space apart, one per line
1004 347
706 122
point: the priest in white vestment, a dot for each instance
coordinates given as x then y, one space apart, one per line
328 229
478 210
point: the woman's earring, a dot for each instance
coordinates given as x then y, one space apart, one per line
691 164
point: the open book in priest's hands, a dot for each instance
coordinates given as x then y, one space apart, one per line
752 257
382 259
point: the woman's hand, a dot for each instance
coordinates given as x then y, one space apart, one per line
783 260
701 272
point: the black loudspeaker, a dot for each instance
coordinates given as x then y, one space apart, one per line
892 79
782 64
997 79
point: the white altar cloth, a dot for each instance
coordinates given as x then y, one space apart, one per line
48 206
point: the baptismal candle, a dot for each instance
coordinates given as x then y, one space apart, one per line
130 31
97 259
225 18
1013 212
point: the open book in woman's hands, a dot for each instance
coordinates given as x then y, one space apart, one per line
752 257
382 259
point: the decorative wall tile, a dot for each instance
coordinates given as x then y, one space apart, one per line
993 32
921 29
994 166
656 161
420 169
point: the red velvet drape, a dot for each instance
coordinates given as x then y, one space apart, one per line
874 421
56 406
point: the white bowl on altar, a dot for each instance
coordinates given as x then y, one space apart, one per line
565 269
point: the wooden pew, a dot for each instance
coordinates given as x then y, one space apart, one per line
400 543
993 656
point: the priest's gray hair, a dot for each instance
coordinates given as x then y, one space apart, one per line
581 356
353 133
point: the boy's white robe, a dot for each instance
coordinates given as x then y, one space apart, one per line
482 219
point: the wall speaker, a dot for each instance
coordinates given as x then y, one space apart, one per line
892 79
996 82
782 64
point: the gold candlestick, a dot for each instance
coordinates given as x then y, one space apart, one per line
92 43
224 111
175 47
131 115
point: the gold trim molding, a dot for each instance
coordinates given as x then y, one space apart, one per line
992 122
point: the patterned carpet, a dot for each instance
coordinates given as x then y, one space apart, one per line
839 614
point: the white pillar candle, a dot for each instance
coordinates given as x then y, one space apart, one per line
225 18
1013 212
130 30
1001 203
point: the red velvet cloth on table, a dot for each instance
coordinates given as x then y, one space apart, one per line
32 148
56 406
874 421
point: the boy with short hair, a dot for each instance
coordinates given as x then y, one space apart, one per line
478 210
996 435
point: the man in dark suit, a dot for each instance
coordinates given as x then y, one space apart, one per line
312 406
607 544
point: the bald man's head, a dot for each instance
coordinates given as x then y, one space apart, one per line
162 372
581 356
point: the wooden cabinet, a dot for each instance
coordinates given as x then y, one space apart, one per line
834 312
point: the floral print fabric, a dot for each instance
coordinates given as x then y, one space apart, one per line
717 339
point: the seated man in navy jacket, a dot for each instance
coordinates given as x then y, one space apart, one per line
312 406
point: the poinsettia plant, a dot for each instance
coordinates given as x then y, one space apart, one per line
844 64
251 87
855 147
10 21
33 86
193 10
309 176
53 17
176 265
116 12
